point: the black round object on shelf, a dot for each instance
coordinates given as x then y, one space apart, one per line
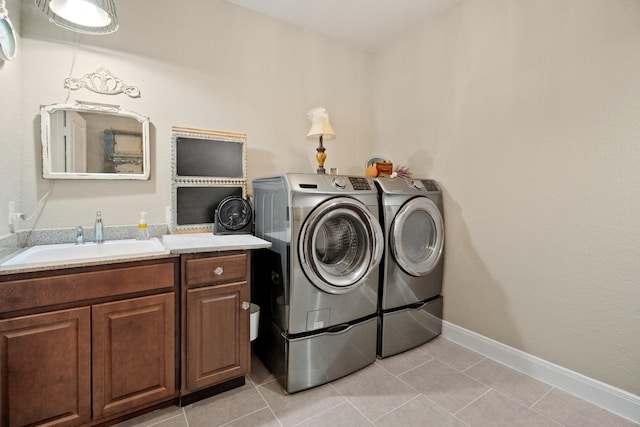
233 215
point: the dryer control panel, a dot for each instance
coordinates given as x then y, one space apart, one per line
430 185
407 185
424 185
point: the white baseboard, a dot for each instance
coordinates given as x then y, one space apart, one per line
612 399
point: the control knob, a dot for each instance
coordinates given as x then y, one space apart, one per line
339 182
416 184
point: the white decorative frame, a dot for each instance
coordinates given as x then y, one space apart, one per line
211 135
203 181
46 113
200 227
103 82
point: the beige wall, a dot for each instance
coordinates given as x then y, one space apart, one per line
211 65
9 132
528 113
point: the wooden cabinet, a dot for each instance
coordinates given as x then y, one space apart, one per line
86 345
215 347
133 353
45 369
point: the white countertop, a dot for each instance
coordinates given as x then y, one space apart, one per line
206 242
175 244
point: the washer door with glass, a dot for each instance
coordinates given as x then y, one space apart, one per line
340 242
417 236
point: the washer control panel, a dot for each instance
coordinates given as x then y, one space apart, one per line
360 183
331 183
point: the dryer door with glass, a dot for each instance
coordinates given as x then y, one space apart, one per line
416 236
340 243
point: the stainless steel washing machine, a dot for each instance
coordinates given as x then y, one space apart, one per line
318 284
410 305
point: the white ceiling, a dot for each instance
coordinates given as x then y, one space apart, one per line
364 23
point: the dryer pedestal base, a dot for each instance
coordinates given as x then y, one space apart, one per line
403 329
309 361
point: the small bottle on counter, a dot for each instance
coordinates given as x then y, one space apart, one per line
143 227
98 229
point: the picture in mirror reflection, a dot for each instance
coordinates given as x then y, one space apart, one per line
94 142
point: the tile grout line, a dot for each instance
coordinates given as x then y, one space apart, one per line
404 372
531 408
345 402
349 401
527 407
455 414
244 416
166 419
462 371
397 377
542 397
398 407
433 401
504 393
184 414
268 406
422 394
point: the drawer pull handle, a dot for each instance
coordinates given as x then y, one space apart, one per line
245 305
218 271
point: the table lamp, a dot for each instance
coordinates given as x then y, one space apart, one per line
320 127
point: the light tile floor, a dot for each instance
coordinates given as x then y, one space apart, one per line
437 384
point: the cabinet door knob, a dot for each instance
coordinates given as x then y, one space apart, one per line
218 271
245 305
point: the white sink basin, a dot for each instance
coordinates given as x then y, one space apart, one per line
68 253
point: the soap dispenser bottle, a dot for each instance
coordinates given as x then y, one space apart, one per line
143 227
98 229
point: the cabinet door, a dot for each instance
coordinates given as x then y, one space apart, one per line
133 353
217 347
45 369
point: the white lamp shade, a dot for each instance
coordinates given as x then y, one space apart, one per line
320 124
83 16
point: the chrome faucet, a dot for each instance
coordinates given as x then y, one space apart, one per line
98 229
79 235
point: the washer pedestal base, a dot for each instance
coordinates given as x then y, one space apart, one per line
312 360
403 329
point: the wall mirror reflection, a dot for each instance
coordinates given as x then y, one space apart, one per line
94 141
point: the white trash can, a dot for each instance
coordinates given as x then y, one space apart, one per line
254 320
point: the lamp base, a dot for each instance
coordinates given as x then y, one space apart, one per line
321 157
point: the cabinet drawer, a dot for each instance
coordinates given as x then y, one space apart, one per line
79 285
217 269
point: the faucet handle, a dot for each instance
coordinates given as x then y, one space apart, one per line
79 235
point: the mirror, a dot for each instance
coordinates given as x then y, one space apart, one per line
93 141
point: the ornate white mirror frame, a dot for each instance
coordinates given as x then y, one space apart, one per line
93 141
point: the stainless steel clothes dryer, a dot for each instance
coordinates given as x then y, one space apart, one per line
318 284
410 305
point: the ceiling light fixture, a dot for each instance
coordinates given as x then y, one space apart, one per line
82 16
